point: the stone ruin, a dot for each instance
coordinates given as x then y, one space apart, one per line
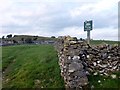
77 60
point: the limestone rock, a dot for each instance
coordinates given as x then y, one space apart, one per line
113 76
75 66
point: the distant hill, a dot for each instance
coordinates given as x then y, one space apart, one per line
28 38
20 37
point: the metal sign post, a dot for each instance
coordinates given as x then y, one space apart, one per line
88 37
88 28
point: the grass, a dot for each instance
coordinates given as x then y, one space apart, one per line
105 82
97 42
31 66
36 66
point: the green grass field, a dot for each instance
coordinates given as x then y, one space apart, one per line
35 66
31 66
97 42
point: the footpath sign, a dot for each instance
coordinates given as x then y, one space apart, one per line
88 27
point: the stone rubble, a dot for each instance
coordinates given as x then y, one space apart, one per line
77 59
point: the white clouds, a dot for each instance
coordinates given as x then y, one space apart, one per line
105 33
104 5
58 17
100 7
72 31
104 13
20 13
81 10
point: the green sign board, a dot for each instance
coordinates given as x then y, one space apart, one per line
88 25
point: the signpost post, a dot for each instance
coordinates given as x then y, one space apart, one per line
88 28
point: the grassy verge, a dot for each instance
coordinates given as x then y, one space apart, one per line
97 42
31 66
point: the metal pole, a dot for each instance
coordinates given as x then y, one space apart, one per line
88 36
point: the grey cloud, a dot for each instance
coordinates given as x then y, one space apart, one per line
57 18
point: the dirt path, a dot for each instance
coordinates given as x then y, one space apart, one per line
6 71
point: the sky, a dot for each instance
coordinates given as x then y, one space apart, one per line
59 18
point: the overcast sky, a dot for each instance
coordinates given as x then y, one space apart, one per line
59 17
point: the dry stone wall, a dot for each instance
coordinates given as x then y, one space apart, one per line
77 60
103 60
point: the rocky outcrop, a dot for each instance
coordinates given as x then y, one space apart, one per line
77 59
